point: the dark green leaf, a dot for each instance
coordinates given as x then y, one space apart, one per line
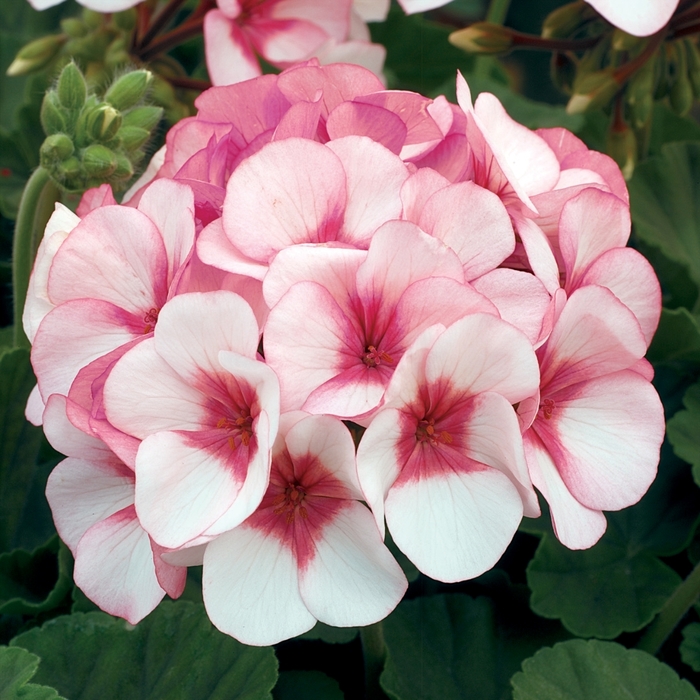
677 338
667 126
25 519
17 666
683 430
296 685
174 654
594 670
451 646
34 582
690 646
330 635
665 201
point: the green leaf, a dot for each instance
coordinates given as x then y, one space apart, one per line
34 582
683 430
665 201
447 647
594 670
677 338
294 685
667 126
690 646
25 519
330 635
17 666
174 654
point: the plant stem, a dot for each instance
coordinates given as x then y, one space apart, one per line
35 208
160 21
374 652
171 39
672 613
498 9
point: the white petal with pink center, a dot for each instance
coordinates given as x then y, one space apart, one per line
445 454
310 552
209 423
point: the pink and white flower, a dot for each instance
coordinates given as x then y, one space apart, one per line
91 494
443 458
311 551
207 413
636 17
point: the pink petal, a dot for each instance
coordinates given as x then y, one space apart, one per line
352 579
379 124
630 277
474 223
266 209
373 195
595 335
284 40
230 58
416 191
482 353
590 224
604 438
251 589
455 525
115 254
114 567
301 120
215 249
575 526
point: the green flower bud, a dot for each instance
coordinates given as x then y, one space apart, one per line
74 27
681 93
55 148
99 162
693 56
622 148
639 94
143 117
37 54
124 170
125 21
483 38
117 53
81 131
103 123
52 115
133 137
566 20
622 41
71 89
661 77
68 170
92 19
594 90
129 90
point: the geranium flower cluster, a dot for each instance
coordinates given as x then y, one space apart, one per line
312 262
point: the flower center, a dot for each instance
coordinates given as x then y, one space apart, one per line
425 432
547 408
240 427
291 501
373 357
150 319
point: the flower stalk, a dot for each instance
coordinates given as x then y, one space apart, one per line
374 653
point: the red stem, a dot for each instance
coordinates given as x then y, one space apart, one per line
160 22
685 31
531 41
171 39
189 83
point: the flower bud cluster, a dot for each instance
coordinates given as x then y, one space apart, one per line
92 140
313 250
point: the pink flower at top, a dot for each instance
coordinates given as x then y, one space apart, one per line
443 458
637 17
595 439
311 551
281 31
361 312
206 410
91 494
96 5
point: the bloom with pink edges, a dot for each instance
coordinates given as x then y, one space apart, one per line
207 411
96 5
443 459
91 494
595 439
310 552
637 17
281 31
107 281
300 191
362 311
